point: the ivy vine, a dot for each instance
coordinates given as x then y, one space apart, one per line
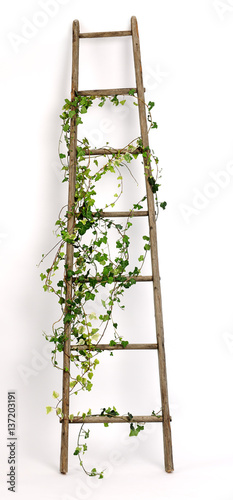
96 266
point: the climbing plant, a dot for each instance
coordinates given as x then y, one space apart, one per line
97 266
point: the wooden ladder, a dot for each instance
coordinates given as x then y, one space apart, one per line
150 213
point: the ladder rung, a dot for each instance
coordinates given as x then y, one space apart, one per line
119 420
107 347
105 92
112 151
133 213
116 278
100 34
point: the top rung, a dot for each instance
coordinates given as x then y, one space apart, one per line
101 34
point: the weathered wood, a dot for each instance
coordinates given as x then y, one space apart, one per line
133 213
154 254
114 420
111 151
101 34
69 256
105 92
116 278
118 347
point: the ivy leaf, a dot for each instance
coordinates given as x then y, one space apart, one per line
153 184
135 430
73 383
92 316
72 113
163 205
67 318
77 450
55 395
112 343
48 409
150 105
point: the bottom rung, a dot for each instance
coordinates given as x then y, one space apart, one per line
98 419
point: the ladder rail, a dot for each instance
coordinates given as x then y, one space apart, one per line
154 252
69 255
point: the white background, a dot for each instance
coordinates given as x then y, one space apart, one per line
188 71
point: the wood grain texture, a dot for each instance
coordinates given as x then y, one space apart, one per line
118 347
142 279
111 151
133 213
154 253
117 420
105 92
69 256
101 34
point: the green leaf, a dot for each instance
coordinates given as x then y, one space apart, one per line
89 386
72 113
135 430
48 409
154 185
123 102
73 383
42 276
77 450
163 205
83 110
55 394
112 342
66 127
62 155
150 105
124 343
89 296
67 318
147 247
92 316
